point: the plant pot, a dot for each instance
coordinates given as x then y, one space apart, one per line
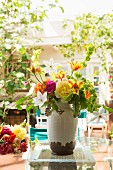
61 128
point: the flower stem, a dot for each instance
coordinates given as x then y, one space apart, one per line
41 77
37 78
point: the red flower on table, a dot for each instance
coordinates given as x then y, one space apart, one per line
5 148
23 147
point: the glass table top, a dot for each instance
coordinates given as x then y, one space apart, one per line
87 155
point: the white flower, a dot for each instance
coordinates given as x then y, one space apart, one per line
31 89
1 85
50 66
4 103
40 99
99 115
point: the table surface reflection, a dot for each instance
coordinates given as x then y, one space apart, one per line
83 158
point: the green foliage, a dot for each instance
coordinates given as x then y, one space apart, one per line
110 133
16 18
91 34
54 106
110 110
25 101
4 109
68 98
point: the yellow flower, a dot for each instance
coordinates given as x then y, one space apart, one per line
63 89
60 75
38 70
32 69
19 131
80 83
74 86
75 65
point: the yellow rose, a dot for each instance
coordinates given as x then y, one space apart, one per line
63 89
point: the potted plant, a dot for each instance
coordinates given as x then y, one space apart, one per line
64 94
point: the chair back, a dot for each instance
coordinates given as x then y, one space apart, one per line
40 134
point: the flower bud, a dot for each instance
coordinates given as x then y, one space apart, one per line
32 69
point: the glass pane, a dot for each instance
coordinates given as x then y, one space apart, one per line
96 70
83 72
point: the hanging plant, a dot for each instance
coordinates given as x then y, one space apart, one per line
91 34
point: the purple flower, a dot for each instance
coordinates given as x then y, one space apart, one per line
50 86
5 148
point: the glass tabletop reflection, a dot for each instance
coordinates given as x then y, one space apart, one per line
89 154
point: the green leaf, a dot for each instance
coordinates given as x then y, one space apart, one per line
1 111
1 114
45 104
54 106
76 112
1 141
62 9
52 5
21 100
108 109
22 50
68 98
28 108
19 107
33 17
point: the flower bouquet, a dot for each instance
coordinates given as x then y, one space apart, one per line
13 139
52 84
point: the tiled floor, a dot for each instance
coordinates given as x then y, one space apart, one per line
100 164
9 162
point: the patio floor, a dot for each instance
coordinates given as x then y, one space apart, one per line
8 162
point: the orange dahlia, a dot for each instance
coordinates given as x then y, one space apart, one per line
87 94
39 87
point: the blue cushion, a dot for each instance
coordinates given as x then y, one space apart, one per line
40 134
82 114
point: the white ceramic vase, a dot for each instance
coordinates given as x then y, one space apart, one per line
62 128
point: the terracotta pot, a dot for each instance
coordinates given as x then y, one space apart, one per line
62 129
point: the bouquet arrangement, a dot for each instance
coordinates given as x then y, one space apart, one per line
13 139
52 84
